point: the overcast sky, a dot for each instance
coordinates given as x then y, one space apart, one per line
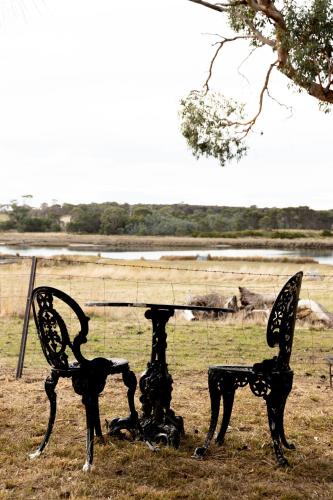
89 100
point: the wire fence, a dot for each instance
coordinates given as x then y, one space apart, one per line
126 333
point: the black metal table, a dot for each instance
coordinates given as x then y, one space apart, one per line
158 422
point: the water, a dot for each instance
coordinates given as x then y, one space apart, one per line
323 256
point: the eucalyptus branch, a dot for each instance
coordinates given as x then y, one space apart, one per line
259 36
248 125
220 45
210 5
220 7
314 89
232 4
268 8
329 72
300 35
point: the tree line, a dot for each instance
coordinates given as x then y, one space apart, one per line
177 220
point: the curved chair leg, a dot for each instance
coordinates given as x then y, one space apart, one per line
131 422
275 415
130 382
215 399
90 407
97 421
289 446
228 395
50 385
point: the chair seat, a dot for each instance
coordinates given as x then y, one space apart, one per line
233 375
118 361
117 365
232 368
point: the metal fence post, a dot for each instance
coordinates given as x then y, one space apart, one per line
26 319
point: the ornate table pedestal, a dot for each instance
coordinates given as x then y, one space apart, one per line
158 421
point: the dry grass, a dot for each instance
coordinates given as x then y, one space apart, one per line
284 260
312 239
89 278
243 467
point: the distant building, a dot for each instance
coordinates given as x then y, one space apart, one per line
4 217
64 221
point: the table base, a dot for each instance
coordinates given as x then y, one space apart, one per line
158 423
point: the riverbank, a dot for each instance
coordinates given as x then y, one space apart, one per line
103 242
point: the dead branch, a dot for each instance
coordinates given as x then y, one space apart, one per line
289 108
243 62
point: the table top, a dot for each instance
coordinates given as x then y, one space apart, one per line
107 303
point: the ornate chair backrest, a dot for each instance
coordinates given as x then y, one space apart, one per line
281 322
52 330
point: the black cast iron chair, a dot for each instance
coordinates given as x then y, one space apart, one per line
88 376
271 379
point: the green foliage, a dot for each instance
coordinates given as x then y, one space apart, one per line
206 120
113 220
171 220
287 235
24 218
85 220
168 225
256 233
39 225
308 39
242 17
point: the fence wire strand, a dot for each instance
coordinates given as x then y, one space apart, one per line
78 284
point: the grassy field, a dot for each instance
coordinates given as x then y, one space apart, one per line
243 467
